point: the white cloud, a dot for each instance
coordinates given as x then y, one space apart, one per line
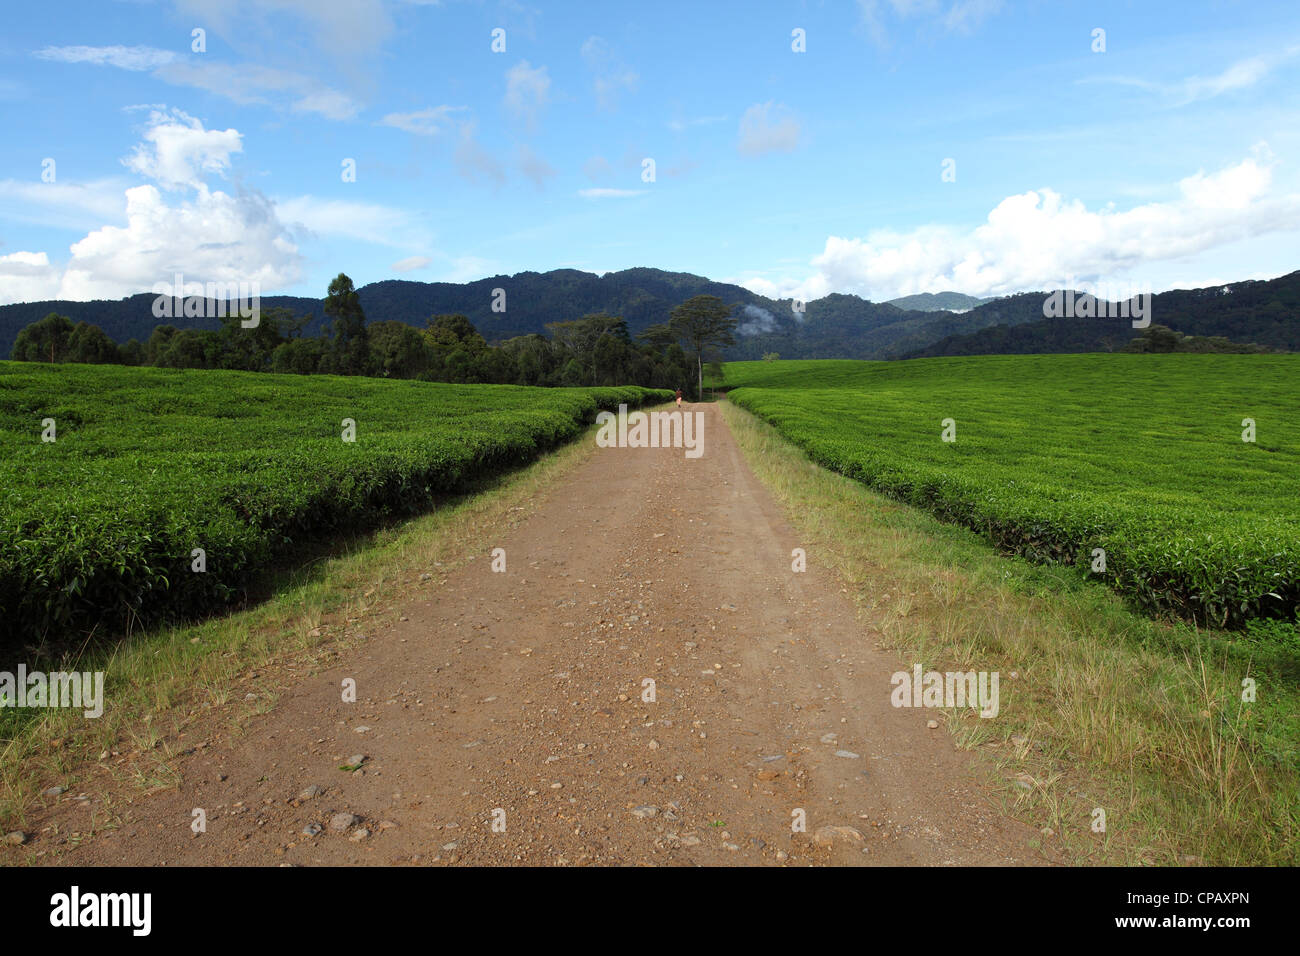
473 162
612 76
330 104
966 15
346 31
519 18
1241 75
425 122
1238 76
527 92
1041 240
179 152
66 205
410 264
247 83
206 235
469 268
603 193
136 58
755 321
27 277
312 217
212 237
243 83
961 16
768 127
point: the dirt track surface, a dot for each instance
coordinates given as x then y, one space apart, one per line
523 691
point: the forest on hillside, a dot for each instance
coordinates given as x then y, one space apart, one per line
595 350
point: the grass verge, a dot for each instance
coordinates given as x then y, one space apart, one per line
1101 709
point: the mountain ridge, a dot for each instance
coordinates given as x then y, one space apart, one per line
1263 312
838 325
938 302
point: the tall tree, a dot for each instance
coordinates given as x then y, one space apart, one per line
610 359
703 322
577 338
397 349
88 344
44 341
659 336
158 343
450 331
351 344
132 352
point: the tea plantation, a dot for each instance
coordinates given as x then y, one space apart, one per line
101 528
1056 456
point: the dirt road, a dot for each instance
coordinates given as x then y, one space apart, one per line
516 698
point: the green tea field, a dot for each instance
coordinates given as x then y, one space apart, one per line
1141 470
128 493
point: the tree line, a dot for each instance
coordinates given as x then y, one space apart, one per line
1161 338
595 350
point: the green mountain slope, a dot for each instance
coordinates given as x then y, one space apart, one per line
1263 312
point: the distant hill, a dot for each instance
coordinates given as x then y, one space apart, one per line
938 302
129 318
837 326
1263 312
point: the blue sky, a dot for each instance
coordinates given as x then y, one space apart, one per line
1170 159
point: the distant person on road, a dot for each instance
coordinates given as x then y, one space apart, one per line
679 398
